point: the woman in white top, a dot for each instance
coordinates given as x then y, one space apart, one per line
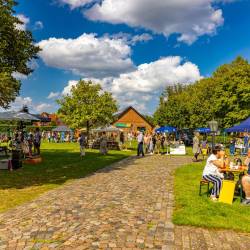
211 172
246 180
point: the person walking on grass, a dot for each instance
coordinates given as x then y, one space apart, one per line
82 142
104 144
196 146
37 141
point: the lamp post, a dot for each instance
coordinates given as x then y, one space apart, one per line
213 125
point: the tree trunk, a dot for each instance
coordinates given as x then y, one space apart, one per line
87 127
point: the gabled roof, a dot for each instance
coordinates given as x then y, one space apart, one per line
118 115
42 118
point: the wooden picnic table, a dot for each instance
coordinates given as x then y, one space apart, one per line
236 172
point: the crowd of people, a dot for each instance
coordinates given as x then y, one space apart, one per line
154 143
242 143
57 137
204 148
28 143
147 143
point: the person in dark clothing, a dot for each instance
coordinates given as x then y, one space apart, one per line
37 141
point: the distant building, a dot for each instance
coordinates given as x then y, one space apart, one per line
130 120
47 119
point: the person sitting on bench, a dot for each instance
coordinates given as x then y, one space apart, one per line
246 180
211 172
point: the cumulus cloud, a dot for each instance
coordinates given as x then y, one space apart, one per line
88 55
188 19
20 102
43 107
33 107
144 84
149 80
53 95
25 21
67 89
156 75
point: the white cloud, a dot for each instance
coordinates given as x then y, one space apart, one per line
43 107
188 19
25 21
88 55
33 107
156 75
139 87
67 89
38 25
75 3
144 84
19 76
20 102
129 38
141 38
53 95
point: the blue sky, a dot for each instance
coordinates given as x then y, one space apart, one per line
134 48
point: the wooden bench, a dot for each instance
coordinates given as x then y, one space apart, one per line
204 183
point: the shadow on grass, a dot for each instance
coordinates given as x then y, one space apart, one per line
59 166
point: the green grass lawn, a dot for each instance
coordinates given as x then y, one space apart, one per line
195 210
61 163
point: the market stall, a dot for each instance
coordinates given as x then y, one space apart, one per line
18 143
112 134
244 127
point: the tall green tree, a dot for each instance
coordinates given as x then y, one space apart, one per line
88 106
225 96
16 50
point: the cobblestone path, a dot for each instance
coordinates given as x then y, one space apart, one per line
125 206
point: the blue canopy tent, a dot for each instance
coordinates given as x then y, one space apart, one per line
166 129
203 130
243 127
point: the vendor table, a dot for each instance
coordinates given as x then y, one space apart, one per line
234 171
111 145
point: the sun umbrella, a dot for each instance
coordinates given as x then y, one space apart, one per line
110 129
242 127
62 129
203 130
17 116
166 129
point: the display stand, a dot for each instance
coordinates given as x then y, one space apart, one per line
178 150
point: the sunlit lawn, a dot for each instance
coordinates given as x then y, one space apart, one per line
61 163
191 209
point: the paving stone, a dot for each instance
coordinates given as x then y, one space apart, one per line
128 205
